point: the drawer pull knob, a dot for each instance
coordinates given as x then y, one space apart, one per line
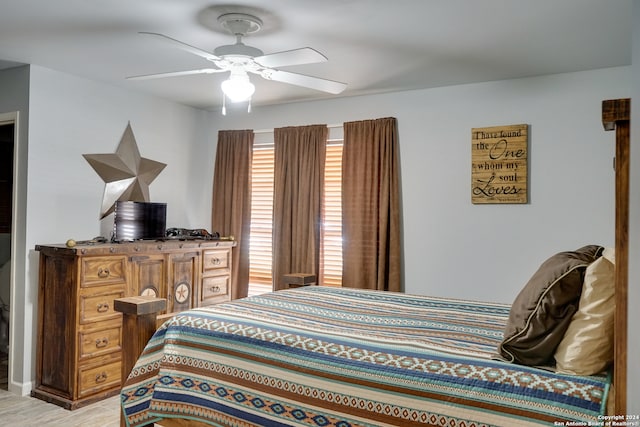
215 288
103 273
103 307
101 377
102 342
215 261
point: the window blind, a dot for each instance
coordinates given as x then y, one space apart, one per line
331 233
260 245
260 240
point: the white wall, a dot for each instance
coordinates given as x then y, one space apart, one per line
71 116
487 252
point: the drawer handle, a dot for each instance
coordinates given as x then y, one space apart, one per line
103 307
101 377
103 273
216 261
102 342
215 289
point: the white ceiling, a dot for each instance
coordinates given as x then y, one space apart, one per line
373 45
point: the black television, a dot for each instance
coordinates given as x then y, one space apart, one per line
139 221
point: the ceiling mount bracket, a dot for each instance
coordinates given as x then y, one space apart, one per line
240 23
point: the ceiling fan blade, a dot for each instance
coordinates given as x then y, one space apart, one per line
305 55
176 74
186 47
316 83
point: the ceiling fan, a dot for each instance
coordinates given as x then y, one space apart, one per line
240 59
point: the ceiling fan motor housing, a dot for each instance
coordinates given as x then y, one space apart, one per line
238 49
239 24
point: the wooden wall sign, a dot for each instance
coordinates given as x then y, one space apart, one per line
499 164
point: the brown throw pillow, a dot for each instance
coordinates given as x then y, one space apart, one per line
543 309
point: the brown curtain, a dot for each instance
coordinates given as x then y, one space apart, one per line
371 206
231 207
298 183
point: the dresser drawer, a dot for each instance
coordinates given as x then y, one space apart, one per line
93 379
214 259
98 307
99 271
215 289
98 342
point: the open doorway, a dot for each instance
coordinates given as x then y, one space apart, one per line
7 147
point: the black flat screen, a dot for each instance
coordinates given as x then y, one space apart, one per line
139 220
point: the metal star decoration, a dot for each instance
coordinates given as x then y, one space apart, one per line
126 175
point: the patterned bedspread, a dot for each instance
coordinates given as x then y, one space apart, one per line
319 356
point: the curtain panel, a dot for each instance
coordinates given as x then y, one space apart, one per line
298 185
371 205
231 206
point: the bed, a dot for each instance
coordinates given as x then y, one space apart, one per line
319 356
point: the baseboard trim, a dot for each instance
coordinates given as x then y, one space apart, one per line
21 389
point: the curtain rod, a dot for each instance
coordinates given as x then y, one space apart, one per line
271 130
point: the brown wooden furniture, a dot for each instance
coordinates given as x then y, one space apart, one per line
616 115
295 280
79 348
139 323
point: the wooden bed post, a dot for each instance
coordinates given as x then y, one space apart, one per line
616 114
138 326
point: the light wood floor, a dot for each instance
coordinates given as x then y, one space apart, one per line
29 412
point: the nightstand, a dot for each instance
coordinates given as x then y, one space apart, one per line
296 280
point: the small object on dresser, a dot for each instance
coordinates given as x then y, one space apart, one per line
190 234
296 280
71 243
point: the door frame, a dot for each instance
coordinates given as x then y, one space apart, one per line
6 119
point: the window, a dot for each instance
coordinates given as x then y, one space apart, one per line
261 215
260 256
331 231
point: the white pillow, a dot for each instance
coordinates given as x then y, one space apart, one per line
587 345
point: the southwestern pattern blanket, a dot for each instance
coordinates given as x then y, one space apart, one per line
319 356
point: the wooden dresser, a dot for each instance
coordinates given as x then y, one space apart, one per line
79 348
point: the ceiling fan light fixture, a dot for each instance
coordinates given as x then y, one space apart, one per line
240 59
238 87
